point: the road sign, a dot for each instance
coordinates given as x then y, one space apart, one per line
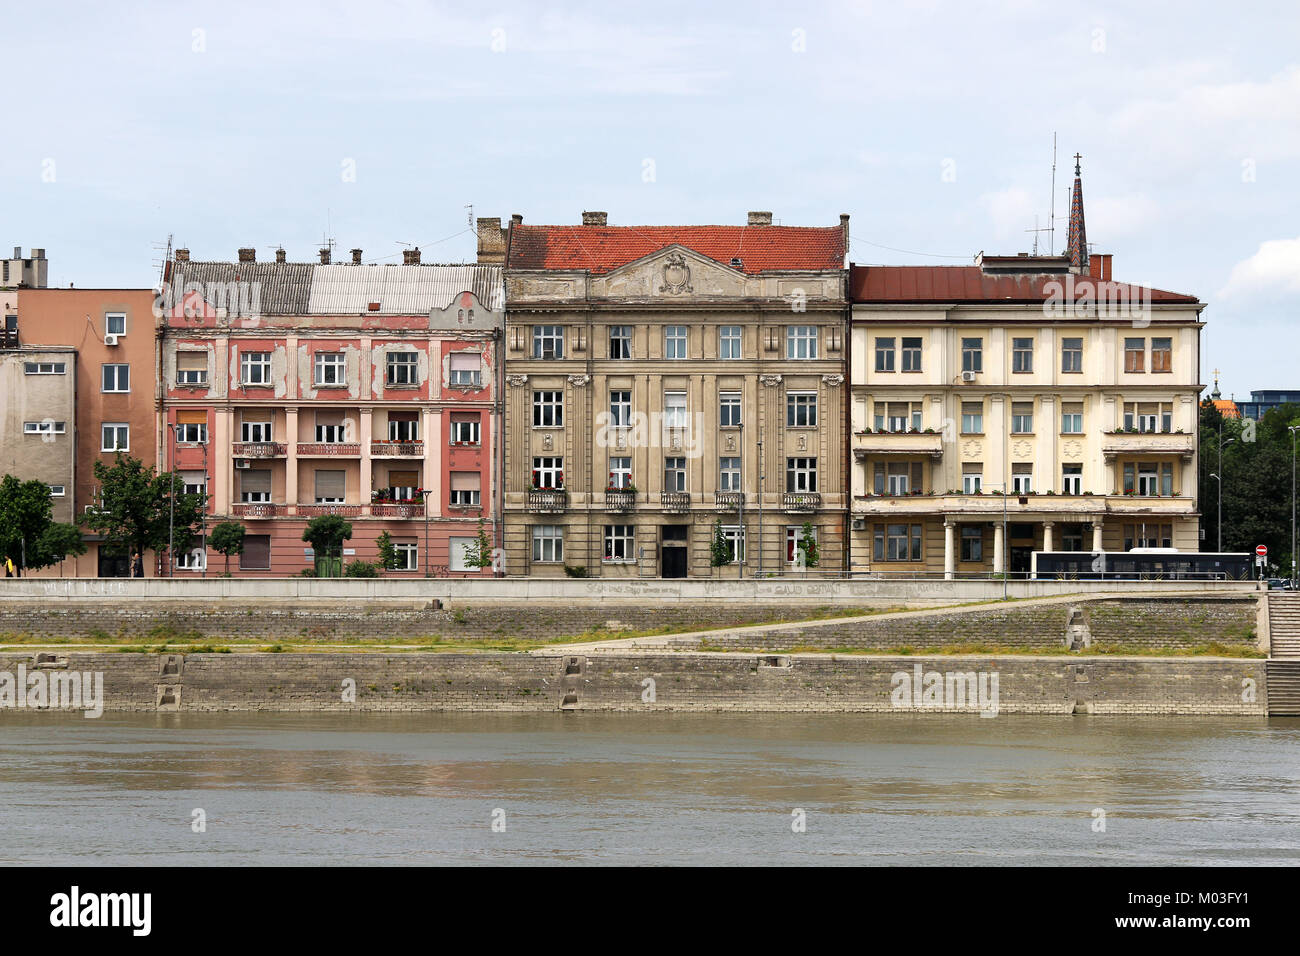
1261 550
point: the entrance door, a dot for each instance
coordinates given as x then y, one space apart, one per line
1021 559
673 550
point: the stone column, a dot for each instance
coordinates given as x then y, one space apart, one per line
949 554
1096 534
999 545
1047 536
291 456
365 425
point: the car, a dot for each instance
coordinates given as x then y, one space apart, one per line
1279 584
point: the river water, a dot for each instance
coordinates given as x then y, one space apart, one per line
658 789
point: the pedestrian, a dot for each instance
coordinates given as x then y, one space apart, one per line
9 566
138 570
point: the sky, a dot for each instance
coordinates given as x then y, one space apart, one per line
385 124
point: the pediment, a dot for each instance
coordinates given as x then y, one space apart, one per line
674 272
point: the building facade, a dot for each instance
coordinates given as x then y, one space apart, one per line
38 421
1263 401
663 383
292 390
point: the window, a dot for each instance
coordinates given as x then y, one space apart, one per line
620 408
196 559
459 553
897 416
972 355
330 428
115 323
405 426
1148 416
1166 479
466 487
1162 355
620 341
1072 418
1022 355
404 485
733 537
406 554
674 341
255 486
548 409
255 368
972 418
1022 479
897 478
115 436
1148 536
45 368
801 409
793 535
548 341
57 491
191 368
1072 355
1071 480
191 427
729 342
194 483
729 409
620 472
972 543
548 544
45 427
1072 537
466 369
331 487
464 429
801 342
800 475
897 542
1022 418
256 555
1134 354
254 431
972 478
674 409
402 368
884 354
1142 478
618 542
675 473
911 354
548 472
729 473
331 369
117 378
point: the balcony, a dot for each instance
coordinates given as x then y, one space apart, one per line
343 511
620 499
397 449
258 449
1117 444
329 450
989 506
548 501
397 509
801 501
677 502
256 509
728 500
898 443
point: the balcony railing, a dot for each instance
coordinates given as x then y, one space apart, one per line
549 500
801 501
620 499
1147 443
405 449
729 500
343 511
255 509
329 449
897 443
675 501
258 449
397 510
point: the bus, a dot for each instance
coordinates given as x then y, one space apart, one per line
1140 564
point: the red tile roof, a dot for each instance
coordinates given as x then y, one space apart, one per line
1227 408
970 284
602 249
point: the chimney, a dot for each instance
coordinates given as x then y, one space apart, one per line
491 242
594 218
18 252
247 255
516 220
760 219
411 257
38 253
279 255
1099 266
356 257
182 255
325 255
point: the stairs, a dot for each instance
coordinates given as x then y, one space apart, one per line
1283 688
1284 625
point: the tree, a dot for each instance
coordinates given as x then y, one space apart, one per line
228 538
807 546
387 552
720 549
479 554
326 534
138 511
29 535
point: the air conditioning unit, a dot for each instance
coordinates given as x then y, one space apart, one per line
243 463
968 376
110 339
859 524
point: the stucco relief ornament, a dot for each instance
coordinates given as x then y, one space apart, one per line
516 381
833 380
1022 449
971 448
578 381
771 381
677 275
1072 449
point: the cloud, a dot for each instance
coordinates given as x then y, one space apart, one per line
1111 216
1011 211
1273 272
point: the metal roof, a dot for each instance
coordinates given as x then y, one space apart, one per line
944 284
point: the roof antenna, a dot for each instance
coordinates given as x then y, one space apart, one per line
1051 223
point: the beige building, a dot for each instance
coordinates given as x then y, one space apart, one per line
38 420
662 378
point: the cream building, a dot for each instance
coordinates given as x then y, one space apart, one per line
660 380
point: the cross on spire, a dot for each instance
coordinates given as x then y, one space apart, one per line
1077 157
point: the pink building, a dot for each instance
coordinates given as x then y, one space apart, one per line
291 390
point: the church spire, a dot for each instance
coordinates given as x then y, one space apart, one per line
1077 244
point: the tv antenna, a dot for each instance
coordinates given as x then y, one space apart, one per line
1051 222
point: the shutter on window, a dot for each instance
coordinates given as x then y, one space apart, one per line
403 479
257 553
465 481
192 361
256 481
465 361
192 418
330 484
329 418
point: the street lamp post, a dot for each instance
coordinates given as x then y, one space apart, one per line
424 494
1219 477
1293 429
171 506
